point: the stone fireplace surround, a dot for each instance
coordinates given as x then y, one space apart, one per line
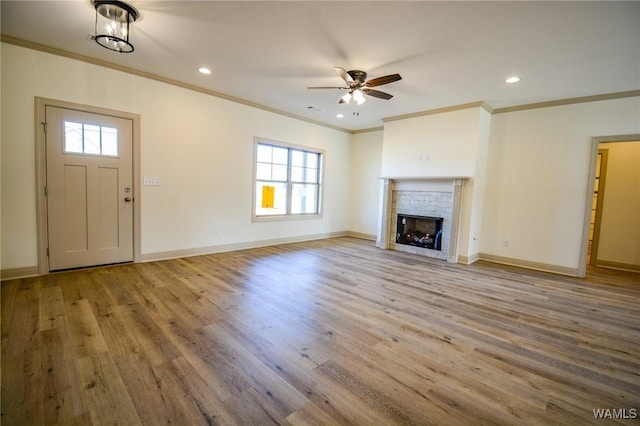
427 196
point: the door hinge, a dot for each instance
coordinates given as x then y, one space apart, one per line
47 251
46 191
44 126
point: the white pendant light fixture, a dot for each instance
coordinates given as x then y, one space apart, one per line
358 97
113 25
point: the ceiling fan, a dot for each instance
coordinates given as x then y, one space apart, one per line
358 85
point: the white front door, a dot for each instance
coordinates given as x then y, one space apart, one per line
89 188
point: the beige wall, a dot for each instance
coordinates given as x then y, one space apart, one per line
366 157
432 145
533 195
538 178
534 188
200 146
447 144
619 242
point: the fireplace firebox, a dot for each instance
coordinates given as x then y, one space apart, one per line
420 231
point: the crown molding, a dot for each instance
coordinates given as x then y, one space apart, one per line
372 129
87 59
4 38
478 104
569 101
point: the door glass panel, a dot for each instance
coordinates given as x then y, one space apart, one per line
109 141
80 138
91 139
73 137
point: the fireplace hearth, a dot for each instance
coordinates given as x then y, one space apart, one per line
419 231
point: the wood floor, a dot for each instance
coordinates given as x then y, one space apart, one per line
325 332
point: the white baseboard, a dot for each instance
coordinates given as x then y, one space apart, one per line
362 236
173 254
617 265
468 260
562 270
15 273
32 271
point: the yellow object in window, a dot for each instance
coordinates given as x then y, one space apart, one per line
268 195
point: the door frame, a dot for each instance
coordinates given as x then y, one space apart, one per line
602 184
595 145
41 173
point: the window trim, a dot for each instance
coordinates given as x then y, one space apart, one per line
289 215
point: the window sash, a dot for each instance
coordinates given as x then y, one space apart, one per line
302 180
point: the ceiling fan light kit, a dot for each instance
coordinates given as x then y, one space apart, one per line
113 25
358 86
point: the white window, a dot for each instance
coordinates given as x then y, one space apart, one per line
81 138
288 180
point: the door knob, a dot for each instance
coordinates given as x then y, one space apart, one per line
127 199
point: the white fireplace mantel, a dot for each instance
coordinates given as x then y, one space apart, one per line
454 183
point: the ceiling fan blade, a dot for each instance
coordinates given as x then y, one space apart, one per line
377 94
344 74
326 87
379 81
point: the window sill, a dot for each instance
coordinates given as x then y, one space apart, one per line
284 217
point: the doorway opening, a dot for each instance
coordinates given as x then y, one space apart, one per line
611 230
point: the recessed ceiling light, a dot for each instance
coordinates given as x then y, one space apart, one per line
513 79
339 115
204 70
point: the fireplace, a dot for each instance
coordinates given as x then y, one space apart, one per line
426 206
419 231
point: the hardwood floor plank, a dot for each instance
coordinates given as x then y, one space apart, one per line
107 397
332 331
282 396
62 402
51 308
86 335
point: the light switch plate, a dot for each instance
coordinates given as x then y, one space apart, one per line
151 181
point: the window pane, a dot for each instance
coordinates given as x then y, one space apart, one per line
279 172
297 158
264 153
312 160
109 141
280 155
263 171
280 199
91 139
72 137
297 174
304 199
312 176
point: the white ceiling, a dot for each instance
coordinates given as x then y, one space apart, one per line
448 53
